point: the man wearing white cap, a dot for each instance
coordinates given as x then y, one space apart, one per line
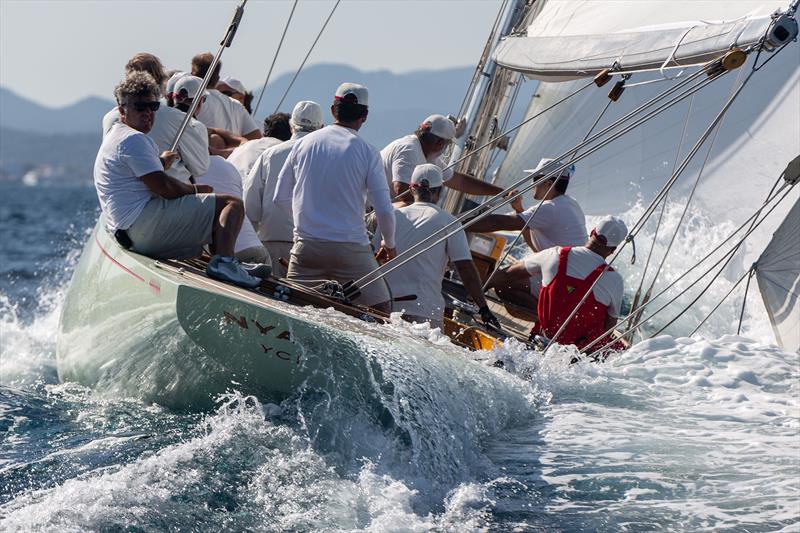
275 228
222 111
236 90
222 176
426 145
567 275
193 145
325 183
558 221
422 276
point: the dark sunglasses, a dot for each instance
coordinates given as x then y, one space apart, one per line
145 106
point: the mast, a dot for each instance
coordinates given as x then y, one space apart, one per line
489 98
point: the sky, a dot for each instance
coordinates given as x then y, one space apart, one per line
58 52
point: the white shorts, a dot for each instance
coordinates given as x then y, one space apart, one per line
174 229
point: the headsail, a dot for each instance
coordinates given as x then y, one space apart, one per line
778 275
577 38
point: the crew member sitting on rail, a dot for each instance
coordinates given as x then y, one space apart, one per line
221 175
558 221
193 145
222 111
422 276
567 275
150 212
276 131
275 229
325 183
426 145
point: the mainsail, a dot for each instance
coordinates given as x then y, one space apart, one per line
757 137
778 275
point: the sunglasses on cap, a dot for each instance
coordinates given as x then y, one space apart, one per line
144 106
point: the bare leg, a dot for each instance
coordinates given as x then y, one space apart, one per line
228 220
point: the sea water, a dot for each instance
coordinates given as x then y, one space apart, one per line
678 433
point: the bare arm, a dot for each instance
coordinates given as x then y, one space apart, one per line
253 135
472 282
496 223
230 138
168 187
468 184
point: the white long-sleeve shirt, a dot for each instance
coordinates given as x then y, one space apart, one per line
326 181
271 222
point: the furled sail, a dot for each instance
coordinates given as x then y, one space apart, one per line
778 275
577 38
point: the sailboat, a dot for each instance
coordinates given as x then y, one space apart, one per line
164 331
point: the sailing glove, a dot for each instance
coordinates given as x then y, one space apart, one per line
489 319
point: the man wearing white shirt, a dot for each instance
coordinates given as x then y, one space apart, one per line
426 145
150 212
567 276
422 276
558 221
221 175
275 228
193 145
222 112
325 183
276 131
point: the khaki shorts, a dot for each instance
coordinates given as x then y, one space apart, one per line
254 254
174 229
278 249
341 261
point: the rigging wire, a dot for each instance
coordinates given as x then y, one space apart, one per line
552 169
274 58
638 293
639 225
751 272
296 74
756 223
536 209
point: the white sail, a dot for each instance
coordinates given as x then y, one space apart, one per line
778 275
758 136
577 38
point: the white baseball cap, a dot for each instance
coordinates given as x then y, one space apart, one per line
172 80
441 126
426 175
234 84
612 230
566 173
359 92
306 114
191 85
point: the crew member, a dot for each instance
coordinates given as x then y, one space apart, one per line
558 221
426 145
222 111
221 175
150 212
567 275
422 276
236 90
276 131
193 145
275 229
325 183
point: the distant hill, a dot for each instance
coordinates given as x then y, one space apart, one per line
32 135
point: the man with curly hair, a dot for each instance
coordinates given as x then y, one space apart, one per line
150 212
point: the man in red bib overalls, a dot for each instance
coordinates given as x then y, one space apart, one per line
567 275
